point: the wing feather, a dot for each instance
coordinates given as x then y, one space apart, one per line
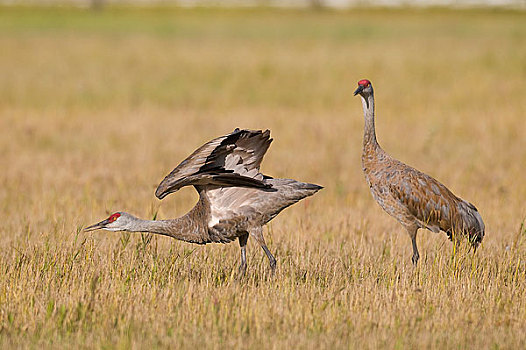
430 202
229 160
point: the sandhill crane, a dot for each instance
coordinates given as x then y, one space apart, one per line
235 199
413 198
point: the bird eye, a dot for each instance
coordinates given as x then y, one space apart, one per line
113 217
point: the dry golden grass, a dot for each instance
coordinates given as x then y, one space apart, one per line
95 108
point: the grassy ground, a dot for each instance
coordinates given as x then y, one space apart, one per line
95 108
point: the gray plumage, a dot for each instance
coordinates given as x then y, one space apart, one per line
235 199
413 198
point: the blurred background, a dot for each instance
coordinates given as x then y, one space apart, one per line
337 4
100 99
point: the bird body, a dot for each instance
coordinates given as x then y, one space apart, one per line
414 199
235 199
238 208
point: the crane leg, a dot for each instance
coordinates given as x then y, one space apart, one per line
257 233
412 233
243 244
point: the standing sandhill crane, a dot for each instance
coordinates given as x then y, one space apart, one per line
413 198
235 199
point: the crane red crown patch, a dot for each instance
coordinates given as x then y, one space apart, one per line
364 82
114 217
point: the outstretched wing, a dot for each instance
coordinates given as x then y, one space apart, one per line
230 160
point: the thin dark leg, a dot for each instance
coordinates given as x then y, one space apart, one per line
271 258
412 233
243 244
416 256
258 236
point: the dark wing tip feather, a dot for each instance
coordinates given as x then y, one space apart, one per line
161 193
313 187
233 179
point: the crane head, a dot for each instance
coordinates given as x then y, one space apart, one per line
364 88
116 222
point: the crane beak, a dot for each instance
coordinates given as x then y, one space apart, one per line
97 226
359 90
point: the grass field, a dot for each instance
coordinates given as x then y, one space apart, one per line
96 108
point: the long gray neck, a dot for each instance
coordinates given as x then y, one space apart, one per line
369 135
183 228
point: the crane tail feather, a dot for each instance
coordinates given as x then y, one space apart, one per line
472 223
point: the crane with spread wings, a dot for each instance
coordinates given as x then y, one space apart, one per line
235 199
